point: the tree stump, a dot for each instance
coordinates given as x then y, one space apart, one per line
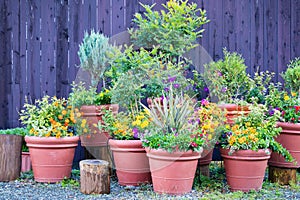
282 176
204 170
10 157
94 177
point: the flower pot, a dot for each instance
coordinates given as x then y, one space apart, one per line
26 163
132 165
51 157
290 139
10 156
245 169
93 114
233 111
172 173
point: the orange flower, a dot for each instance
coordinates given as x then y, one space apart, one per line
64 112
60 117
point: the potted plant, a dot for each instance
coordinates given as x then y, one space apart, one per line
10 153
174 30
131 162
52 137
228 84
95 54
173 143
247 146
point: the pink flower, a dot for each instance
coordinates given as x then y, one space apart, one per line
193 144
204 102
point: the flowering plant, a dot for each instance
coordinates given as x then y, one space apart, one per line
52 117
177 125
255 131
287 104
292 76
210 119
124 125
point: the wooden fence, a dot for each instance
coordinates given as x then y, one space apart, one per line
39 39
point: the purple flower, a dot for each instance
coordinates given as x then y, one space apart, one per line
176 85
135 133
271 112
206 89
171 79
167 89
219 73
176 134
204 102
224 89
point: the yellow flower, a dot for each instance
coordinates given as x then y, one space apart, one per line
242 140
235 127
227 126
85 130
64 112
209 137
232 140
293 94
48 134
144 124
139 117
286 97
136 122
248 124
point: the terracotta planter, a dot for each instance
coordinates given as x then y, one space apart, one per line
132 165
51 157
245 169
26 163
203 163
233 111
290 139
10 156
93 114
172 173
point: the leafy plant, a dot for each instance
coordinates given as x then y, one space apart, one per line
95 53
52 117
292 76
255 131
14 131
172 124
81 95
227 78
174 30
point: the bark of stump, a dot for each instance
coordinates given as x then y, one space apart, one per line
10 157
94 177
282 176
204 170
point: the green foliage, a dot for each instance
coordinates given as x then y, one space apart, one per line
14 131
292 75
94 54
81 95
227 78
174 31
171 128
256 131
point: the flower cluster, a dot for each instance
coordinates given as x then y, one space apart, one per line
210 119
287 104
124 126
255 131
52 117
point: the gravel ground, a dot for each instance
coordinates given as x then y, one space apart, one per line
27 188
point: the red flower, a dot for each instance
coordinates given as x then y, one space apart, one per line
193 144
297 108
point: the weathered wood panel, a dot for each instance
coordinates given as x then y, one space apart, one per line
40 39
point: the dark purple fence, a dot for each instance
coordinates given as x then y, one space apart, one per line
39 39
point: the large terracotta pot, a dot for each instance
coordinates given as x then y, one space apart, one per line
51 157
245 169
233 111
26 163
93 114
290 139
132 165
10 156
172 173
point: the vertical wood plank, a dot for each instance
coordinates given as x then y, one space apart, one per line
131 9
33 48
104 17
295 29
243 31
229 20
118 23
257 36
284 30
271 36
62 82
48 42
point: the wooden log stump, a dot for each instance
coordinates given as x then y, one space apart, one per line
204 170
10 157
282 176
94 177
